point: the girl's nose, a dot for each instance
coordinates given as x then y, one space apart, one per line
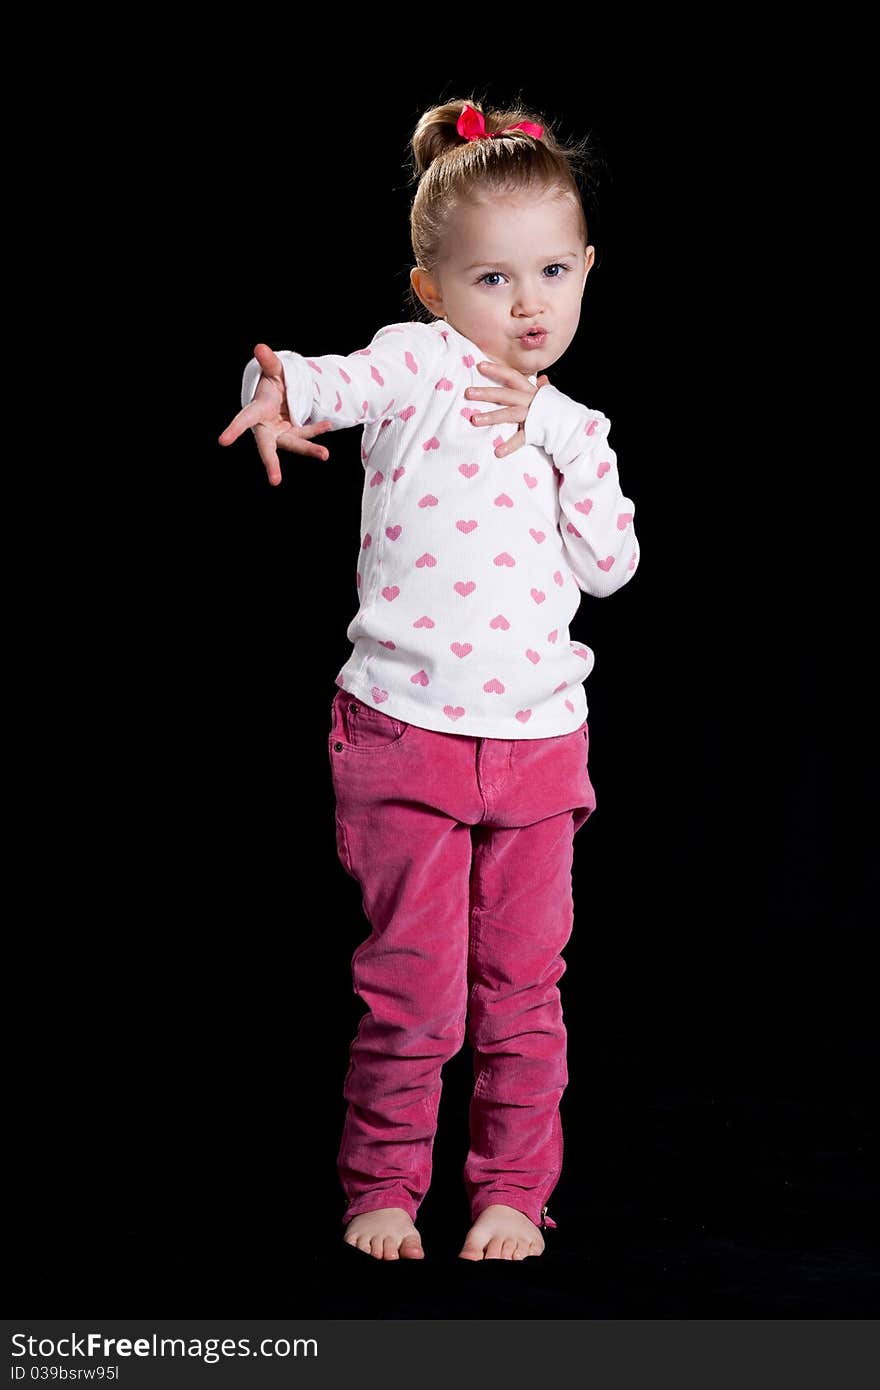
527 306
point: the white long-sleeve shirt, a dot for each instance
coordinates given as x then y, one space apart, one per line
471 566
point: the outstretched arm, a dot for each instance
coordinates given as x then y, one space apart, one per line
596 521
362 386
286 397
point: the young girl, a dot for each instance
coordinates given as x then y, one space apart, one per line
459 742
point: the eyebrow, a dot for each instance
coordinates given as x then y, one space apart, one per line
558 256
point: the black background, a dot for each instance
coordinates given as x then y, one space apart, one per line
185 997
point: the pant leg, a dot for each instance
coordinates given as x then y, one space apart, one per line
522 915
399 837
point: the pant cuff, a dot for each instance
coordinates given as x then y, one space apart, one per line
536 1213
375 1201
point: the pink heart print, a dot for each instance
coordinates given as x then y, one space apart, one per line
502 500
586 506
573 530
591 427
390 592
569 706
538 595
453 711
424 621
376 479
602 469
426 559
398 473
378 694
557 578
466 526
557 688
420 678
530 481
538 536
534 657
366 542
504 559
383 642
432 443
468 360
623 520
551 636
464 588
460 648
494 686
406 414
500 621
444 384
606 563
524 715
392 532
467 470
429 500
411 362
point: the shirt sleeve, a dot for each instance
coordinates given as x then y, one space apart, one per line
596 519
400 362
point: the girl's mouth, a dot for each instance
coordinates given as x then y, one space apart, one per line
534 339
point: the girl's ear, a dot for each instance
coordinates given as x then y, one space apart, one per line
588 261
427 290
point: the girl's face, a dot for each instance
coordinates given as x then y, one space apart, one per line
510 263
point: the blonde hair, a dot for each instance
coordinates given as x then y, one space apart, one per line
451 170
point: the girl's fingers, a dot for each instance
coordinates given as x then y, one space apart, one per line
269 361
496 417
511 445
294 442
270 460
247 418
504 395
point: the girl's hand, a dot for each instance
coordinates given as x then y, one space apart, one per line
269 418
517 395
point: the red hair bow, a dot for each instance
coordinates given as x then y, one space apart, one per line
471 125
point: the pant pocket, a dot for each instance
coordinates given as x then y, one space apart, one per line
364 729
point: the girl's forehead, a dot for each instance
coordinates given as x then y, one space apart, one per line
521 211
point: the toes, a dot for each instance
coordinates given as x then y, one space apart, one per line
469 1251
507 1249
493 1249
411 1247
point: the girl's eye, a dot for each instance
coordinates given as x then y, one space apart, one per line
557 265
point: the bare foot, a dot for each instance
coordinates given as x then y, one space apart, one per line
386 1234
502 1233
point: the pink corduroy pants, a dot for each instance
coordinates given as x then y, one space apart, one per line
463 849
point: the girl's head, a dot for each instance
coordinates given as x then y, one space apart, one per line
499 233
